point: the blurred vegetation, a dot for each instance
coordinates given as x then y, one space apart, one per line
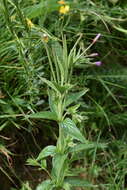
24 26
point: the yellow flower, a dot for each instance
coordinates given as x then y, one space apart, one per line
29 23
61 2
64 9
45 38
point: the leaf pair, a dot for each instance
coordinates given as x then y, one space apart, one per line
52 115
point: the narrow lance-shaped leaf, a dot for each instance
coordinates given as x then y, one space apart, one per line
75 182
63 88
43 115
70 128
120 29
60 166
56 46
49 83
85 146
45 185
52 101
67 186
3 126
47 151
75 96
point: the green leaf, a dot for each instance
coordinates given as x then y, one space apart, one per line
25 186
75 96
60 167
85 146
63 88
34 10
45 185
43 115
57 48
75 182
52 101
119 28
3 126
41 8
47 151
49 83
113 1
2 102
43 164
71 129
32 162
67 186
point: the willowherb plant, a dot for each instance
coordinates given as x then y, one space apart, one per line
62 109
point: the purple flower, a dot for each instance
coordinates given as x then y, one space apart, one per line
98 63
96 38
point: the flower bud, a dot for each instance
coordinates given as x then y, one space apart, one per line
98 63
96 38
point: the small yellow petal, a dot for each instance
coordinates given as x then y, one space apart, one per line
64 9
29 23
62 2
67 8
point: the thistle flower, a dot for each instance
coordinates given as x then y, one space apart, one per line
64 9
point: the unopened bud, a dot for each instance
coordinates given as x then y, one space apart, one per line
96 38
98 63
93 55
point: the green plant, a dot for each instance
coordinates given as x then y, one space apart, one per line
64 112
22 89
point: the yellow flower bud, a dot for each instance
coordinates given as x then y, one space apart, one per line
29 23
64 9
